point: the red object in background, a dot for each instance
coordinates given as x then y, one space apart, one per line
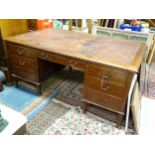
44 23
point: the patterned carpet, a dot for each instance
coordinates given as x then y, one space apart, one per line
71 91
58 118
46 117
74 122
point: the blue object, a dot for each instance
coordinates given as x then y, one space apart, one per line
19 99
132 28
16 98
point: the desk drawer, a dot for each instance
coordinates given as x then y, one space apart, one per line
77 63
53 57
61 60
21 50
103 100
23 62
112 75
23 73
104 86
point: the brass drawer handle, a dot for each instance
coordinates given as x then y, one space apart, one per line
21 62
72 63
104 77
24 74
44 55
20 52
105 88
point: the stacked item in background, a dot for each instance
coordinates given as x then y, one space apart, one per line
135 25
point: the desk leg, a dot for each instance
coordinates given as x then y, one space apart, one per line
1 86
119 120
84 106
39 89
16 82
70 69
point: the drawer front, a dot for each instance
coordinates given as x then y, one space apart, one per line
61 60
103 100
21 50
77 64
23 73
23 62
52 57
113 75
104 86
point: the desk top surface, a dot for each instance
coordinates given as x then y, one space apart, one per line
120 53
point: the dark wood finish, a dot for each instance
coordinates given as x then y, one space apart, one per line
106 73
1 86
24 73
103 100
21 50
108 63
23 62
104 86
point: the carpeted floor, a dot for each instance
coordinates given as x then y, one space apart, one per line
58 118
24 99
46 117
68 88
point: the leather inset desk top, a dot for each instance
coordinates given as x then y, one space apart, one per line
123 54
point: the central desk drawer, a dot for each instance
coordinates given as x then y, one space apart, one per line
53 57
77 63
108 74
103 100
21 50
23 62
104 86
23 73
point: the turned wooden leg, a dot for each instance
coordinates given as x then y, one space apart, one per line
39 89
84 107
119 120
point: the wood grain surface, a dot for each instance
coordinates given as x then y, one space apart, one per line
123 54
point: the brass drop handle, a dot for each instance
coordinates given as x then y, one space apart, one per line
21 62
44 55
24 74
72 63
105 88
20 51
104 77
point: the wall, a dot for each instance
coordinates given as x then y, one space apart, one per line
11 27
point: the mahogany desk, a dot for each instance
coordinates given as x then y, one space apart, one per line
108 63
